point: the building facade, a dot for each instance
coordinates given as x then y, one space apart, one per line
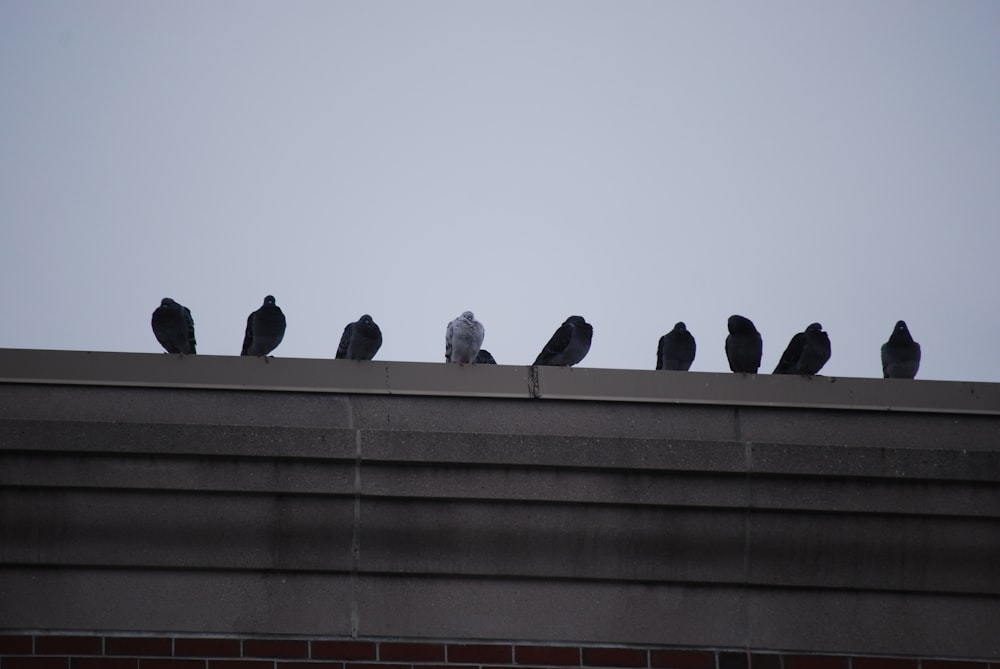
187 511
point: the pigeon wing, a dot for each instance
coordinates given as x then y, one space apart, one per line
345 341
556 345
164 329
682 351
248 337
815 352
790 358
449 331
189 328
888 359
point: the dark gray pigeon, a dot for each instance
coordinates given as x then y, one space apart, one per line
174 327
569 345
484 358
744 345
265 329
676 349
806 353
900 355
361 340
463 338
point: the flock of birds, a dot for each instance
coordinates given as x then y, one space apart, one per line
806 353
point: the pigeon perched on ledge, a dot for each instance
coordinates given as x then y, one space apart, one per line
806 353
463 338
569 345
900 355
744 345
676 349
174 327
361 340
265 329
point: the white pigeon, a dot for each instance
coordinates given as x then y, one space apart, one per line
463 338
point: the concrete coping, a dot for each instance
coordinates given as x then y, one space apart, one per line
160 370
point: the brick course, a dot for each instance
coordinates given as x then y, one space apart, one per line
480 653
169 663
207 647
344 650
34 663
138 646
68 645
68 651
682 659
547 655
615 657
275 648
412 652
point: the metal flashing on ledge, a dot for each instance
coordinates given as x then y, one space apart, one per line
226 372
500 381
825 392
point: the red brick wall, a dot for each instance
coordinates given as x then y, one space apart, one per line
53 651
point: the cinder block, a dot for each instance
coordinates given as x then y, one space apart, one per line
909 554
183 601
543 610
614 542
167 405
181 530
854 622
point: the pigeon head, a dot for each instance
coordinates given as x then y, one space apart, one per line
739 324
576 320
468 315
680 326
365 319
167 302
814 327
269 301
901 333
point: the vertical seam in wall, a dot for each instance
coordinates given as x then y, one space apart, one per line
748 467
388 405
356 535
747 618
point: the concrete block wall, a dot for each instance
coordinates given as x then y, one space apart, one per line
328 501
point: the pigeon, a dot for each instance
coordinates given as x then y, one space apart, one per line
174 327
463 338
744 346
900 355
569 345
807 352
361 340
484 358
265 329
676 349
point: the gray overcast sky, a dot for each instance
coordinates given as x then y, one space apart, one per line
637 163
